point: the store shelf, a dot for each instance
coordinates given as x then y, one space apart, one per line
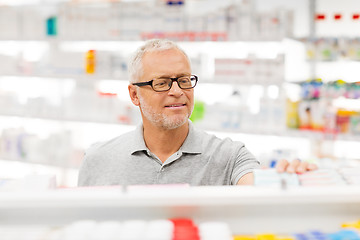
61 119
246 209
30 164
293 133
17 169
97 77
80 75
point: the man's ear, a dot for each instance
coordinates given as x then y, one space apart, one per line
133 95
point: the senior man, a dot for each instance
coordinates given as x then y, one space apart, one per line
166 148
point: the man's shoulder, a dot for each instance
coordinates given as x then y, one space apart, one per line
119 142
212 140
221 150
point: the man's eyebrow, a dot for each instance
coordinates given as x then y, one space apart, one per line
177 75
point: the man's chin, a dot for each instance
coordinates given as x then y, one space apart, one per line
174 123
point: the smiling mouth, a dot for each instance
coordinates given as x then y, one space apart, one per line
175 105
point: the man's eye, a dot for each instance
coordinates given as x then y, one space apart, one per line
184 81
160 83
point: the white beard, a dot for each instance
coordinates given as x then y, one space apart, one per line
161 119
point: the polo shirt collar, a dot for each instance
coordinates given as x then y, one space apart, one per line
192 143
138 143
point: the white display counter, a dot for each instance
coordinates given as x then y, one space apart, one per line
247 210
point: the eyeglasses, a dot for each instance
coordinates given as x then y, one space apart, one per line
164 84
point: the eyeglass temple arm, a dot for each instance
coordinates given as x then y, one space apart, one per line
142 83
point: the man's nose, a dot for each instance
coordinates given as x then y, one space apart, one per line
175 89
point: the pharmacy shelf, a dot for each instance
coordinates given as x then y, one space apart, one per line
62 119
294 133
17 169
246 209
80 76
59 76
29 164
242 82
237 49
316 135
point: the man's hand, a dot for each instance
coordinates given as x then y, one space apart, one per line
296 166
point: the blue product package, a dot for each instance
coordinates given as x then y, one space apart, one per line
318 235
344 235
301 236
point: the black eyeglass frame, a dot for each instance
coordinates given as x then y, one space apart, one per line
170 85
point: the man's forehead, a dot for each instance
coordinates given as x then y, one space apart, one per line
162 52
164 59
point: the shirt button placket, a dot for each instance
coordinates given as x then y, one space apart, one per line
159 174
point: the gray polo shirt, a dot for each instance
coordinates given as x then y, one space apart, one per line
203 159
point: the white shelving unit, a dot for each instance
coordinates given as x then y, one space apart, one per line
247 210
70 46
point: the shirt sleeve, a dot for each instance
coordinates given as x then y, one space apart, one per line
245 162
87 169
84 177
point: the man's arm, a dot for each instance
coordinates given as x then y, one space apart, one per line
247 179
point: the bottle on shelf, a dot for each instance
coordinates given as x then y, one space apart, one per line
90 62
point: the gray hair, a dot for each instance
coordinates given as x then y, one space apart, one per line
135 64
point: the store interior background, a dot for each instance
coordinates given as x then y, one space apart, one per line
251 57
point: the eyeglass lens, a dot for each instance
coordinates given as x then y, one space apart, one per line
164 84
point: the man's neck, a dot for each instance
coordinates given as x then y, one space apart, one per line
164 142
